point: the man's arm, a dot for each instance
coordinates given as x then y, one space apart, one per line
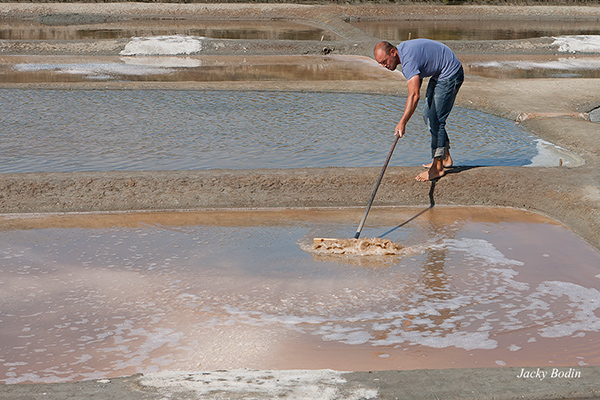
414 89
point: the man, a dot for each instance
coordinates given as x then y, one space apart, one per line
422 58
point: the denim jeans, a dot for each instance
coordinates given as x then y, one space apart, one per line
438 104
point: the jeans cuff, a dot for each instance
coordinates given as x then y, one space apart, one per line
440 152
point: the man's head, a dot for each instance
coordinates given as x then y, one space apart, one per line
386 55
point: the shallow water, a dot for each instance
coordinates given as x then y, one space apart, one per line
107 130
91 296
165 67
475 29
279 30
288 30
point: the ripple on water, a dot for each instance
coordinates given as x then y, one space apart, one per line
103 130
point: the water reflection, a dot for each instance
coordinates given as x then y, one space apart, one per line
435 279
188 69
279 30
475 29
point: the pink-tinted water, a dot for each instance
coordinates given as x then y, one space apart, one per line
91 296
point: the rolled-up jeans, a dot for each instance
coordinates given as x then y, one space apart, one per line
439 101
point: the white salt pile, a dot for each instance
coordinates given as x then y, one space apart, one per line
578 43
163 45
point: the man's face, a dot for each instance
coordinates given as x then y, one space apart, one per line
389 60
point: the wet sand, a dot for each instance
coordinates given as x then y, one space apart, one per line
568 195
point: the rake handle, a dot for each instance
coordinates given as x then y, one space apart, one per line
364 218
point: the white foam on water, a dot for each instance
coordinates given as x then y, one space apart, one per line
95 70
570 63
163 45
583 303
578 43
417 324
272 384
478 248
126 345
420 312
346 335
460 339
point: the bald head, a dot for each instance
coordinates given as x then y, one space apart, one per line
386 54
383 47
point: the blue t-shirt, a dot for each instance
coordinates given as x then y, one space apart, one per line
427 58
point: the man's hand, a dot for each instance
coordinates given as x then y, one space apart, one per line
400 129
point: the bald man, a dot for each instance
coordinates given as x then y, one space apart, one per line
424 58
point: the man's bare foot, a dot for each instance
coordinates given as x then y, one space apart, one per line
447 163
430 175
436 171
